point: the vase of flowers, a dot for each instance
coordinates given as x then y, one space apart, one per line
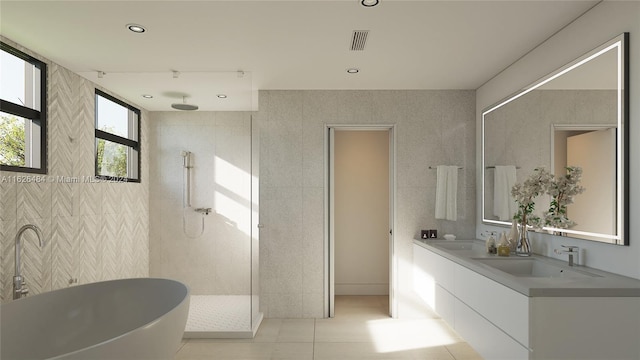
524 195
561 189
523 247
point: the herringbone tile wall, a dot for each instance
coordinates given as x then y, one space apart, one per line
93 231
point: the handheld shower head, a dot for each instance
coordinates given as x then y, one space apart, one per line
186 161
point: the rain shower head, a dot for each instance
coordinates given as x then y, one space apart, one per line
184 105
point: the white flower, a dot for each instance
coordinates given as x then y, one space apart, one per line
562 190
524 194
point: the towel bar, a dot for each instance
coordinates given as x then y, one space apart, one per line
493 167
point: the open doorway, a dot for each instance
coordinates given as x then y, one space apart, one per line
592 148
359 246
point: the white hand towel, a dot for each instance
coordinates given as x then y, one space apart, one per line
447 192
504 207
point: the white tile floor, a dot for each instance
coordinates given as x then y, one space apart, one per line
218 314
360 330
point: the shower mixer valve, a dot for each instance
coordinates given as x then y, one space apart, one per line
205 211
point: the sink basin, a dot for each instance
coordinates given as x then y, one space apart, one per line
455 245
529 267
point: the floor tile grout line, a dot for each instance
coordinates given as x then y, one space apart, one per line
182 345
313 347
452 351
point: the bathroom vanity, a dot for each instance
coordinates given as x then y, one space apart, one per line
528 307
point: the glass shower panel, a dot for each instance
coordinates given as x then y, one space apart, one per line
204 214
256 315
223 306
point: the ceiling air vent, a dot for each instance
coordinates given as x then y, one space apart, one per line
359 39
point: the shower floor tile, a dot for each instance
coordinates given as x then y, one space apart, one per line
218 315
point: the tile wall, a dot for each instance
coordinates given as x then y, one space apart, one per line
433 128
218 259
93 231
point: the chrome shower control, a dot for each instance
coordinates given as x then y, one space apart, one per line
205 211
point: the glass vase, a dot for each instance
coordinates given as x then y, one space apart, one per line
524 245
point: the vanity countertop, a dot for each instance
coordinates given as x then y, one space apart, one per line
604 284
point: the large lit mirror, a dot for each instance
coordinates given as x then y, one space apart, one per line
576 116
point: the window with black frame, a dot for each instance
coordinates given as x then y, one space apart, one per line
23 112
117 139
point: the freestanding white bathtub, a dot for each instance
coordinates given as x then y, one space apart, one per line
121 319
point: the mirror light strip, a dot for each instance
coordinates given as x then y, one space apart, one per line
562 72
617 44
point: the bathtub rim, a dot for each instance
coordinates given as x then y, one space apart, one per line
129 332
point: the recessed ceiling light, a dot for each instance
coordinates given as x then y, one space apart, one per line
147 96
369 3
353 71
136 28
221 96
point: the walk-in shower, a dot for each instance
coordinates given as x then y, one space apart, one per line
204 217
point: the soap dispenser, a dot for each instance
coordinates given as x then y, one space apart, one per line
491 244
503 245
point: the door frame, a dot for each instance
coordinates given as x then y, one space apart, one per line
329 241
618 196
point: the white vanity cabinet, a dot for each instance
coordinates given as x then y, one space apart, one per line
433 281
479 309
502 313
502 323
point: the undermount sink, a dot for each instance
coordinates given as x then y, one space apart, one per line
455 245
531 267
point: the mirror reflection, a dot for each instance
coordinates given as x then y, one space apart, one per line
573 117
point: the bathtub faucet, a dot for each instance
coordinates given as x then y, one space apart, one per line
19 286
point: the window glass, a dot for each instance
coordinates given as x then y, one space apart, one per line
112 117
12 132
117 134
23 118
20 81
111 159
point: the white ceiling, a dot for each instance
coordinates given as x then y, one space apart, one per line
281 44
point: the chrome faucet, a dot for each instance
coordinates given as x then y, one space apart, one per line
572 251
19 286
